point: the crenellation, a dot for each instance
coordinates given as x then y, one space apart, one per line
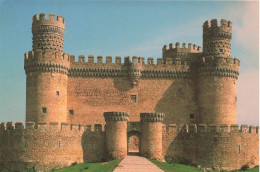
65 126
81 59
118 59
192 128
202 128
108 59
99 59
10 125
19 125
42 125
150 61
54 126
212 128
90 59
75 127
252 129
98 128
30 125
3 126
234 128
244 128
223 128
88 127
159 61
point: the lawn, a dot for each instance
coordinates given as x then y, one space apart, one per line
91 167
184 168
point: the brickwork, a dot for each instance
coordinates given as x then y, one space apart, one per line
79 110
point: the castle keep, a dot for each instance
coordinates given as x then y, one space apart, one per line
181 107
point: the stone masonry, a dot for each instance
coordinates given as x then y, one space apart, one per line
179 108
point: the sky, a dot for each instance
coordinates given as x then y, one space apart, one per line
127 28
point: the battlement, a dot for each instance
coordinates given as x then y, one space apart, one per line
178 49
203 128
52 126
42 20
39 54
212 29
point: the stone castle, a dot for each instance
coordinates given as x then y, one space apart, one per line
181 108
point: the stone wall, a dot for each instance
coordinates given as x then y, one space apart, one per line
49 146
227 148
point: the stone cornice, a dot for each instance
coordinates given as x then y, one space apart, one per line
46 67
116 116
146 73
47 29
152 117
219 71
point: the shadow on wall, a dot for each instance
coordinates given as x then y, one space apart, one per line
93 145
216 149
178 102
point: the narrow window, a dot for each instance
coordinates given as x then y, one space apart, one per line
133 98
239 148
71 112
57 93
59 143
236 99
192 116
44 110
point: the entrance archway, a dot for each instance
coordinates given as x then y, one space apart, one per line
133 142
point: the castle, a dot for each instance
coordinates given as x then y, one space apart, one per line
181 108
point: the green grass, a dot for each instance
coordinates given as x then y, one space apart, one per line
174 167
167 167
91 167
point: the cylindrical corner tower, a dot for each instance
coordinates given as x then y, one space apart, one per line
46 68
116 134
151 135
217 76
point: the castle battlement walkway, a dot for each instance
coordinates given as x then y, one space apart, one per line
136 164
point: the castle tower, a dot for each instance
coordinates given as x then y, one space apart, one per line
151 131
116 134
216 39
217 76
46 68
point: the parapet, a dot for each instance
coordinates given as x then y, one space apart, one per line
152 117
116 116
42 20
192 48
212 29
51 126
203 128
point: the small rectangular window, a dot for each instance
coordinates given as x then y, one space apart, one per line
71 112
57 93
59 143
44 110
192 116
133 98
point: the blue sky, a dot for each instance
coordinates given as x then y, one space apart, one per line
127 28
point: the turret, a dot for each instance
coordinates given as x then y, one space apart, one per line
151 139
217 76
46 68
216 39
116 137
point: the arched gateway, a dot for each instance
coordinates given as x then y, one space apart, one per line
133 138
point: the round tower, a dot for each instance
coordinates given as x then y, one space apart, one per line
217 39
46 68
151 131
217 76
116 134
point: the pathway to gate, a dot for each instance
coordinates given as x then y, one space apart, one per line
136 164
